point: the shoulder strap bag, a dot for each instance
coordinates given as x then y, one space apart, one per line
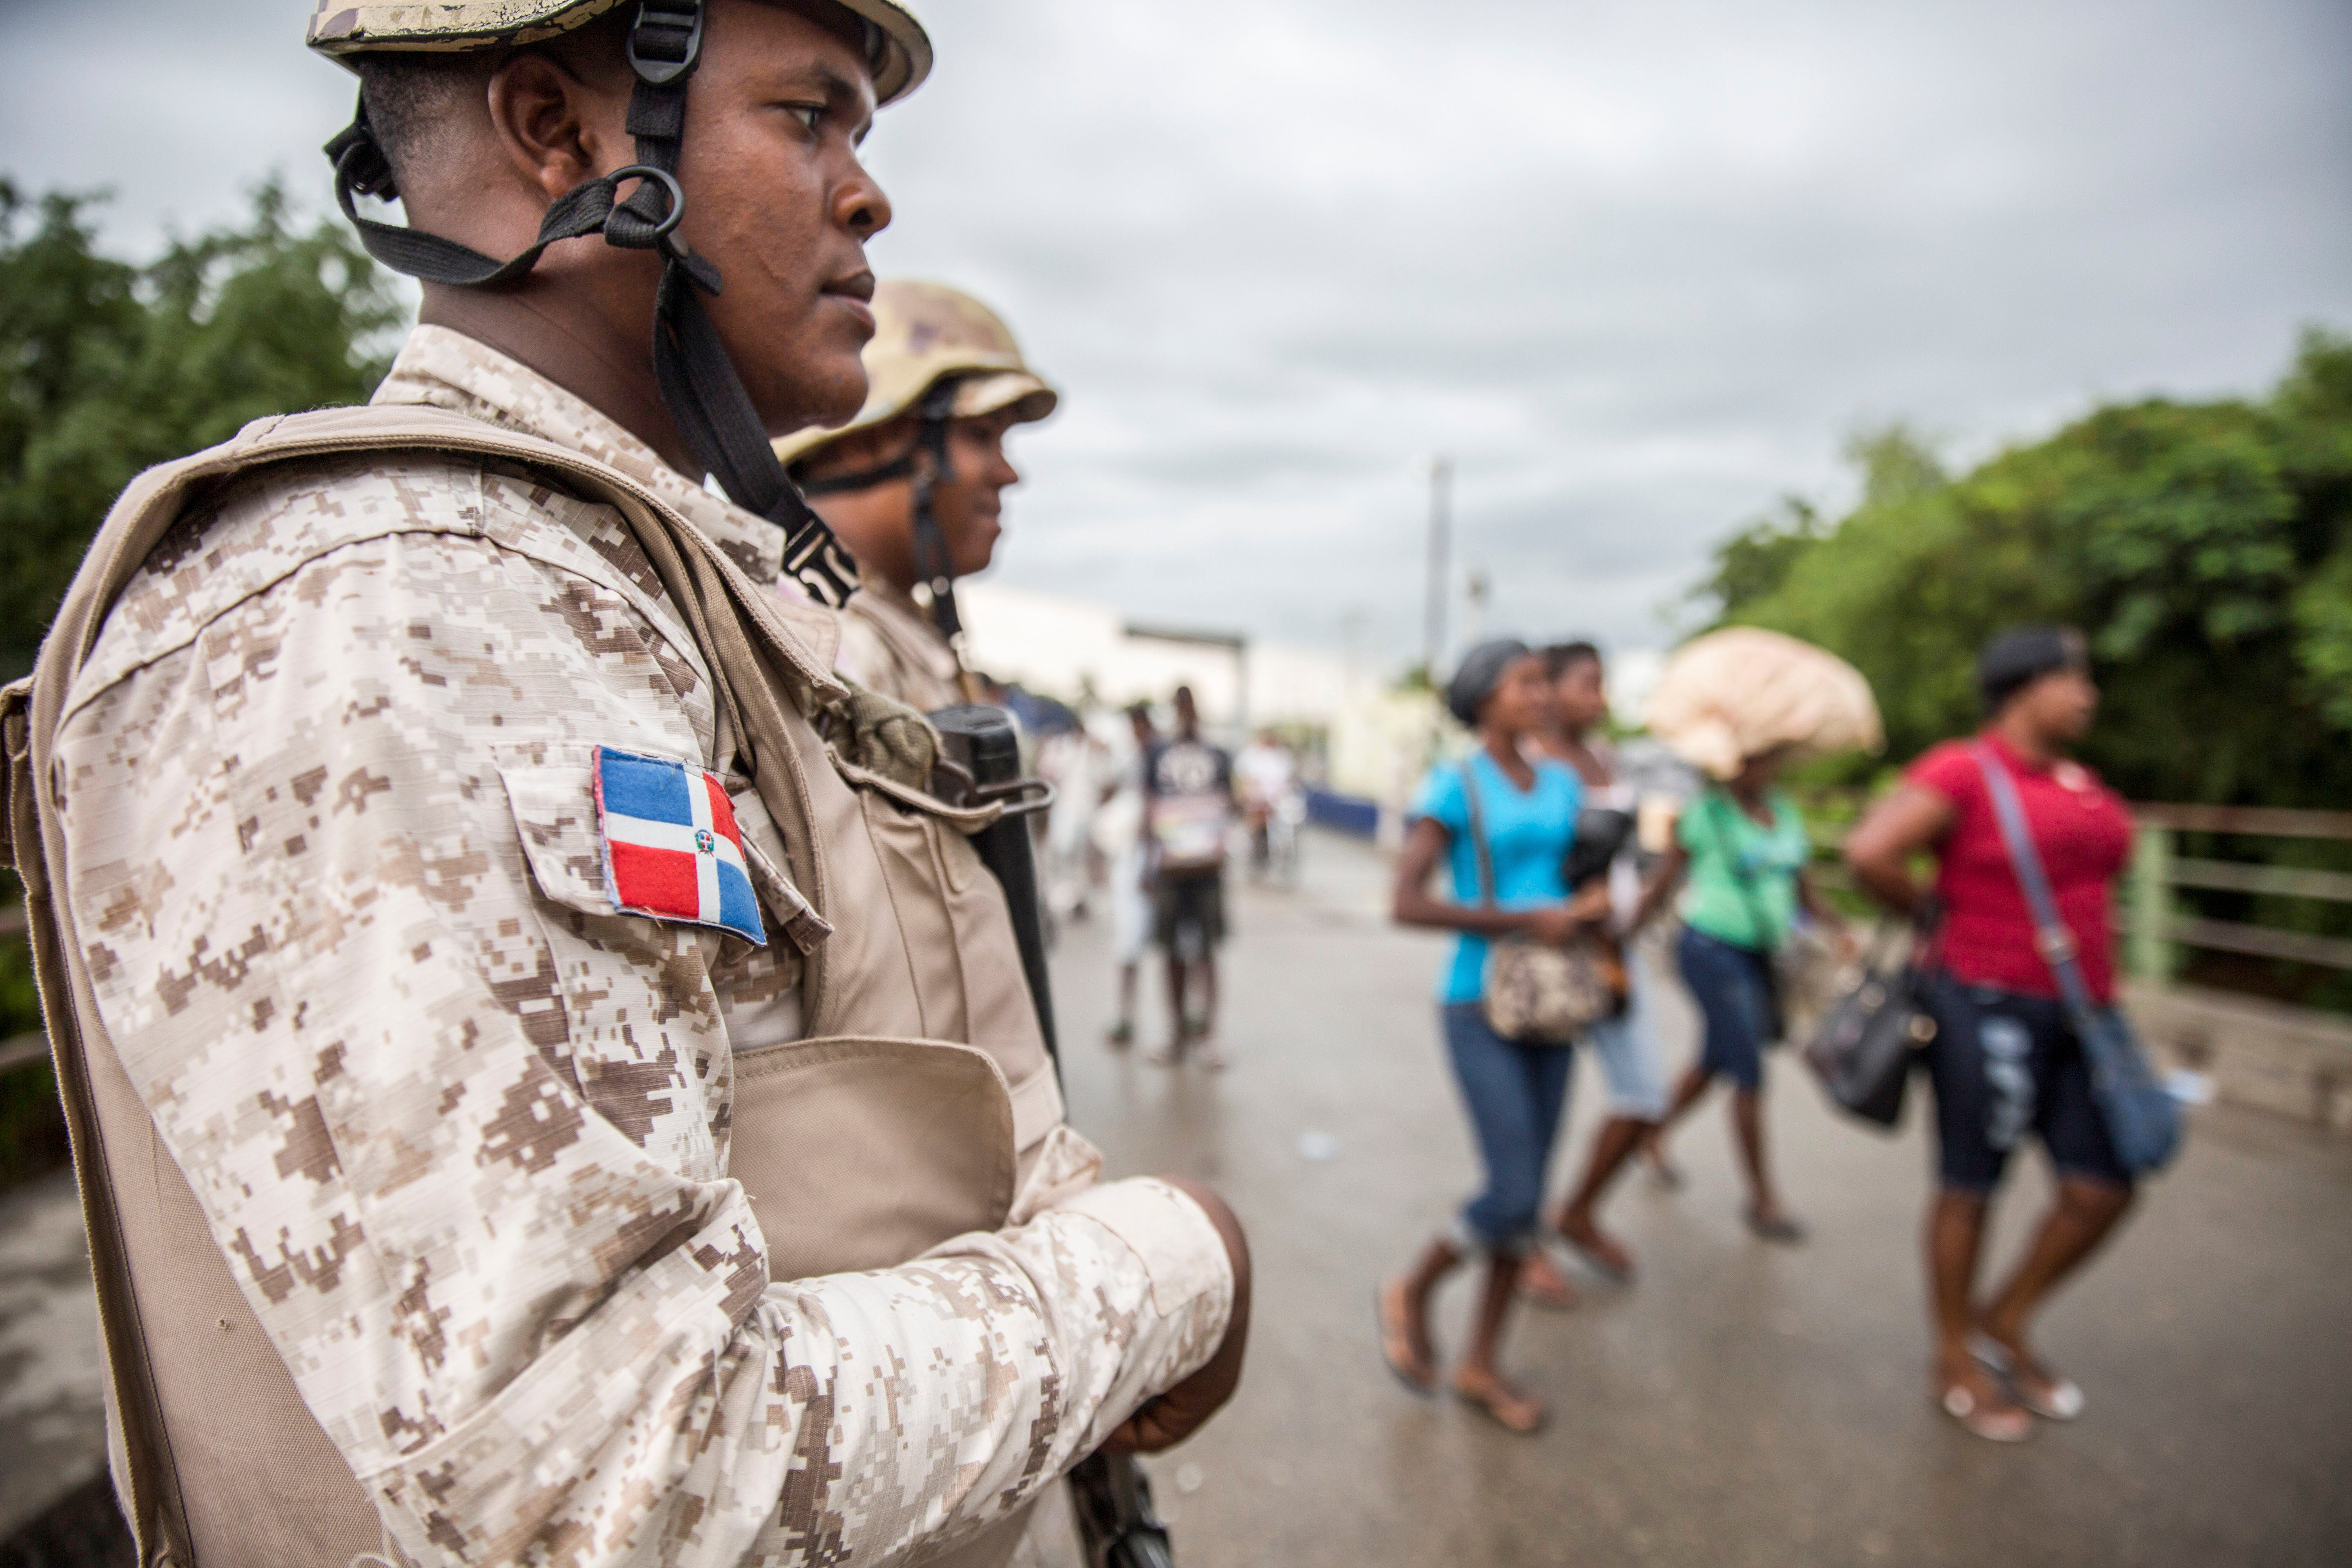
2142 1118
1532 992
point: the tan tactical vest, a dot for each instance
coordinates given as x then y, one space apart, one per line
903 1119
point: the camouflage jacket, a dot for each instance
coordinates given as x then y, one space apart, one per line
466 1149
888 644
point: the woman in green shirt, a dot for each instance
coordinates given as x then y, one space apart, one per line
1739 851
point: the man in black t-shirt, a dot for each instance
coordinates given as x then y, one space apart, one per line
1188 795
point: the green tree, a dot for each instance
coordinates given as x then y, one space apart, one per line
2206 550
114 367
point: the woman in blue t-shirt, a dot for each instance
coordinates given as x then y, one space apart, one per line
1514 1090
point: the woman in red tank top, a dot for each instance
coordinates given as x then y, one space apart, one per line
2005 1061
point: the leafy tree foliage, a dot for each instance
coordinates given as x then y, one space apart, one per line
2205 548
113 367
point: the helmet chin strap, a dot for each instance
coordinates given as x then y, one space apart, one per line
696 378
926 463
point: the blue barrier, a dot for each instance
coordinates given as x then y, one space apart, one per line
1346 813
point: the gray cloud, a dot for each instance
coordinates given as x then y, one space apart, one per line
1639 269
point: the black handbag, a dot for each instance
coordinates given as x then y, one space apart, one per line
1873 1032
1601 834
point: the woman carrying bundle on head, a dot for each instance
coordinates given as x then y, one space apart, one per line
1739 704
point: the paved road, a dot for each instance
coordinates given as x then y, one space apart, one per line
1739 1405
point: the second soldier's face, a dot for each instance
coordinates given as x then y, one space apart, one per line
970 505
777 199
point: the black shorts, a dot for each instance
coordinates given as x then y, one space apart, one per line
2005 1065
1193 901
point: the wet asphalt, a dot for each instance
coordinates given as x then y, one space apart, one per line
1739 1403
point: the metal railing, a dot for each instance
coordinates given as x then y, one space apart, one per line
2156 932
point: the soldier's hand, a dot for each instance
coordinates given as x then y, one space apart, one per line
1169 1419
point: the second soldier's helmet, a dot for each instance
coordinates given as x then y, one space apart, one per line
925 334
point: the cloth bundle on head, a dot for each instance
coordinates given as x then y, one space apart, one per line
1742 692
1480 671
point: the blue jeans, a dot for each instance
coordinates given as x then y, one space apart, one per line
1514 1093
1732 986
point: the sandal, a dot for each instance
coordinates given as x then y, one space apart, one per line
1993 1423
1396 1346
1504 1405
1778 1228
1543 1284
1597 1250
2058 1398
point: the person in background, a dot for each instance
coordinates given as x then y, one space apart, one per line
1513 1091
1118 834
1188 795
1265 774
2004 1059
1623 1042
1743 847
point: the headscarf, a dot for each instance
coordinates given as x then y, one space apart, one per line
1480 671
2021 655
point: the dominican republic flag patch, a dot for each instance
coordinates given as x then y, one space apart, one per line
671 846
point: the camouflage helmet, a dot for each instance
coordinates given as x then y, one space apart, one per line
897 45
922 333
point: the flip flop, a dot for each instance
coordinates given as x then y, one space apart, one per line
1614 1272
2065 1401
1552 1292
1992 1423
1507 1408
1399 1366
1780 1229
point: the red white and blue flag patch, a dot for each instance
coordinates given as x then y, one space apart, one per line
671 846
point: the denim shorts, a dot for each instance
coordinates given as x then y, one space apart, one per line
2005 1066
1732 986
1629 1056
1514 1093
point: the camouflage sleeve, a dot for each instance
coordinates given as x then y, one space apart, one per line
466 1152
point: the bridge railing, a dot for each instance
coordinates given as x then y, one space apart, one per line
2158 931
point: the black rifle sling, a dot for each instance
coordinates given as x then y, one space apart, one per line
933 566
697 379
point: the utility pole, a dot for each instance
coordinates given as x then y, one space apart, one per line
1440 486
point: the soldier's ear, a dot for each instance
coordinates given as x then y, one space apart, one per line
552 125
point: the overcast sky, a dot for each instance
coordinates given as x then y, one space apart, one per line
1639 268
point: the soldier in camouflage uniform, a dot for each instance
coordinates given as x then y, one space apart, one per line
913 485
330 856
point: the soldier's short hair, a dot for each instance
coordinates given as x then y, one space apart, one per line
412 95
